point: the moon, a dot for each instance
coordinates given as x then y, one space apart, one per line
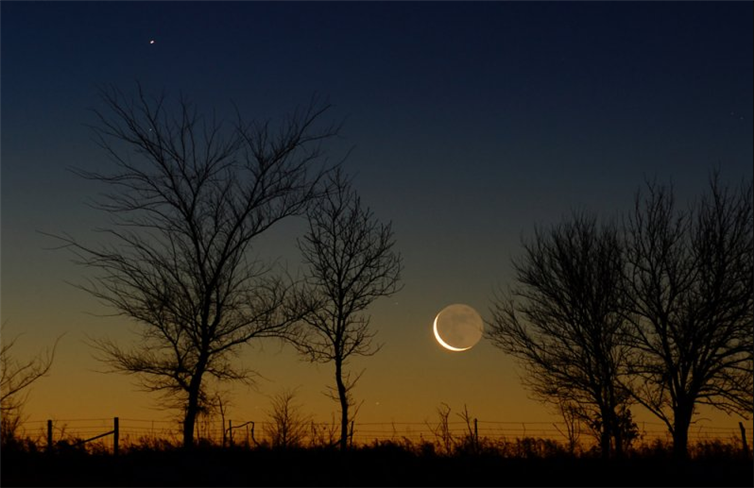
458 327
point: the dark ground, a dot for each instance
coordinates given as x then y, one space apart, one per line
386 466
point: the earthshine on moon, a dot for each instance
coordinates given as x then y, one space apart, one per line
458 327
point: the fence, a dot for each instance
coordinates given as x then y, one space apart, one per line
112 433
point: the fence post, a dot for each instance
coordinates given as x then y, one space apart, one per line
743 438
230 432
116 434
476 434
49 436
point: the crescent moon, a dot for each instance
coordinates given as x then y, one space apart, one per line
443 343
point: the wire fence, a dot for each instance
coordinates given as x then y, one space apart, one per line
249 432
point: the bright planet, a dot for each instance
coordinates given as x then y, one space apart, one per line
458 327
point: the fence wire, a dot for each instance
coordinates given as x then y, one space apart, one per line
249 432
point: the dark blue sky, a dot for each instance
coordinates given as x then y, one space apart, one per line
470 122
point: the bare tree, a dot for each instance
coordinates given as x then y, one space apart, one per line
188 198
16 377
442 431
563 322
571 424
288 427
351 263
689 280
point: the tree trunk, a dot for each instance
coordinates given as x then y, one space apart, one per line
681 424
606 435
605 442
343 397
189 421
617 432
192 408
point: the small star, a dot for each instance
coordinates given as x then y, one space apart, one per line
151 41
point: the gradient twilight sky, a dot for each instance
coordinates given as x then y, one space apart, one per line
470 123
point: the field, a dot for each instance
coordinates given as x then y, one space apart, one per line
523 462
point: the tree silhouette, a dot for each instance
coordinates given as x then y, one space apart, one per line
289 426
691 300
351 263
188 198
563 321
16 377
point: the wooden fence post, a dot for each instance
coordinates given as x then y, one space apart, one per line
476 434
116 434
49 436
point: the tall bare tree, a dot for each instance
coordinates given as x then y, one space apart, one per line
351 263
188 198
689 280
16 378
563 322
